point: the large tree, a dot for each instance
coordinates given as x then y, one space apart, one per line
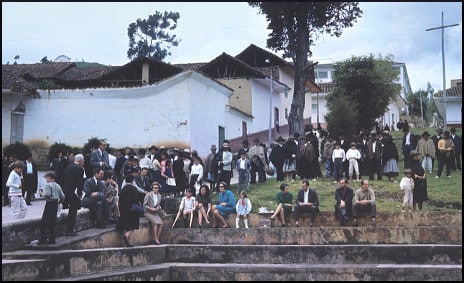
294 27
150 38
369 82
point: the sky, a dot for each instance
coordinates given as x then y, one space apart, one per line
97 32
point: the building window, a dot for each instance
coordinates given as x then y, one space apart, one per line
286 113
322 75
286 94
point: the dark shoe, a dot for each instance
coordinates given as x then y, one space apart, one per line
312 225
284 225
355 222
71 234
297 224
126 242
29 204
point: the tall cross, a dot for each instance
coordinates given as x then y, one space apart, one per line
442 27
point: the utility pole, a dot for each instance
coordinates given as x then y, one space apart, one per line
270 105
442 27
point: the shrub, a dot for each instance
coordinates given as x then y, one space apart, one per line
17 149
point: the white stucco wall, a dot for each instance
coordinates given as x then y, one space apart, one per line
260 105
182 111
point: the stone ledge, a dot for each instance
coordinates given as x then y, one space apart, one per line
16 235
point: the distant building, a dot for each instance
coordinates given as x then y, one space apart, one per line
453 104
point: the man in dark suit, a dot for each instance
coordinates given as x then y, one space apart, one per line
143 182
306 201
277 158
456 154
99 157
409 144
95 198
29 179
58 165
73 180
344 205
374 157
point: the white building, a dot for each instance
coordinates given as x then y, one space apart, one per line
324 77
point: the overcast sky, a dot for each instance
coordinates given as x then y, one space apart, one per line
97 32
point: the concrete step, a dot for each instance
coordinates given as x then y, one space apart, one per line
15 235
279 272
110 237
52 264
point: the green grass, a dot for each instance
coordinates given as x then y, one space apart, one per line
444 194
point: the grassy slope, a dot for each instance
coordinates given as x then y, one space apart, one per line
445 194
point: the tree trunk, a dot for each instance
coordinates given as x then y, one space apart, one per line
295 117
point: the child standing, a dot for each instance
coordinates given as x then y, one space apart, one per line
407 185
243 166
353 155
53 194
243 208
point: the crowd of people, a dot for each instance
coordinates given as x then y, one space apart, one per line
109 184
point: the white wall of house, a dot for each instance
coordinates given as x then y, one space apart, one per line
453 109
260 89
184 110
323 110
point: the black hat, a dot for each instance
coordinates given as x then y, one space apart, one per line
296 135
245 142
241 151
280 138
453 130
426 134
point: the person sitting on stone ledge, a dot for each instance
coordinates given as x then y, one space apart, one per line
187 205
243 208
224 206
95 197
364 202
154 212
344 205
284 203
306 201
203 205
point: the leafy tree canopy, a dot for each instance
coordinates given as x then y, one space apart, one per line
150 38
343 117
294 26
369 82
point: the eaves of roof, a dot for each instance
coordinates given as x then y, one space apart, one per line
451 92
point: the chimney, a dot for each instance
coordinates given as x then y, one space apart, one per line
145 73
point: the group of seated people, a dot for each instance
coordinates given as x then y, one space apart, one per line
307 202
109 204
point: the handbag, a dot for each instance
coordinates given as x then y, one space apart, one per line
171 182
137 209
